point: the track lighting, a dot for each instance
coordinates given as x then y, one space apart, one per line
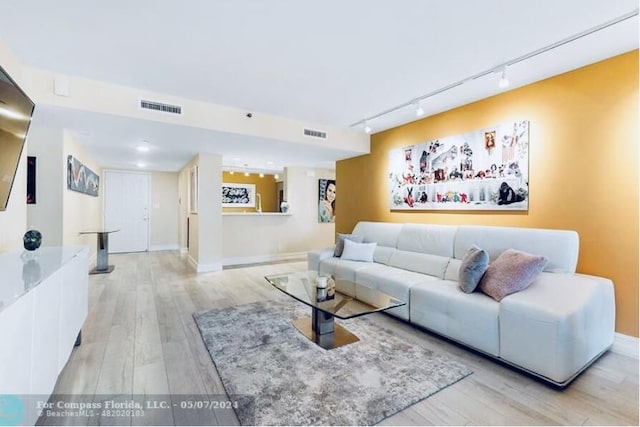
504 81
502 67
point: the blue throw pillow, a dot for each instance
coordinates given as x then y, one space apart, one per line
474 264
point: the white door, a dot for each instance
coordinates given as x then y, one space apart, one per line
126 208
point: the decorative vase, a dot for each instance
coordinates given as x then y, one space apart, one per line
284 207
32 240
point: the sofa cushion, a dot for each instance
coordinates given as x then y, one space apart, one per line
383 233
340 243
433 265
427 239
392 281
559 246
453 270
471 319
473 266
358 251
342 268
511 272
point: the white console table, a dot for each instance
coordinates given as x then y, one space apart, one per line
43 305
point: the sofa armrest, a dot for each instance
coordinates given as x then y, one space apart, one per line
315 257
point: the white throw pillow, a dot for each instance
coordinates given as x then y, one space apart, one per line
358 251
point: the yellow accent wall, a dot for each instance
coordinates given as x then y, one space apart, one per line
583 171
266 186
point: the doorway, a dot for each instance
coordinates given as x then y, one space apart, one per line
126 208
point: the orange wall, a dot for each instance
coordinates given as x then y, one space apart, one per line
583 168
266 186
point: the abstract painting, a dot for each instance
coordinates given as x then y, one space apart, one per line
80 178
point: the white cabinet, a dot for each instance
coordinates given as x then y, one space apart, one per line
43 305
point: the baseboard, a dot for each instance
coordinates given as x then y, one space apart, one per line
204 268
255 259
169 247
625 345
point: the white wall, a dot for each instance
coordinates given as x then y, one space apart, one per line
46 215
164 211
13 220
79 211
205 226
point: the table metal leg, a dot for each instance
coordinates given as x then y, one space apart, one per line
333 336
102 261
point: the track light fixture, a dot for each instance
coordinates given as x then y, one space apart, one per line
504 81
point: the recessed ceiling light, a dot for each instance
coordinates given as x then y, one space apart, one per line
246 174
261 175
276 176
143 148
269 162
141 164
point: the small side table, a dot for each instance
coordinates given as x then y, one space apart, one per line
102 261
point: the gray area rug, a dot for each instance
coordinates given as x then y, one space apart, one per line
281 378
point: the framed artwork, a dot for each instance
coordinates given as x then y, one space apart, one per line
80 178
31 180
326 200
487 169
238 195
193 190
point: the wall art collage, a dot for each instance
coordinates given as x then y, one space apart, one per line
486 169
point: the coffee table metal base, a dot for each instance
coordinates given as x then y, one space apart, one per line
339 337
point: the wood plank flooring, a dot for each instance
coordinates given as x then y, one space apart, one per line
140 338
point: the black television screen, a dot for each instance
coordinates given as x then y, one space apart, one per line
16 110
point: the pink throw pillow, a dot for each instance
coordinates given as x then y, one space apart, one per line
513 271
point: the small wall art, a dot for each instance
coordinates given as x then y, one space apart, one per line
486 169
238 195
326 200
80 178
31 180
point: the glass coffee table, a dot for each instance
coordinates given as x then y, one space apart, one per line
345 300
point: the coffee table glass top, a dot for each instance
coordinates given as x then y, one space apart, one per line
344 301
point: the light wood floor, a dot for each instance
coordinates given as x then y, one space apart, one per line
140 338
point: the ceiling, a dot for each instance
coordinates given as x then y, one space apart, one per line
333 62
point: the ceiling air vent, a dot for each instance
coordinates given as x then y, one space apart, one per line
160 106
315 133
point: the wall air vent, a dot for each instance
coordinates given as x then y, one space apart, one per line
315 133
160 107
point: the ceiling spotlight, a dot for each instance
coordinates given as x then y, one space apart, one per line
261 175
504 81
419 110
231 172
276 176
246 174
367 128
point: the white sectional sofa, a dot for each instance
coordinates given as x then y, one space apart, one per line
554 329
